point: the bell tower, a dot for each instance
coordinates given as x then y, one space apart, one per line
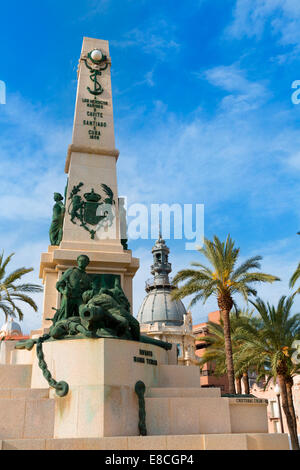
88 218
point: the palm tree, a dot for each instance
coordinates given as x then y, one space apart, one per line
11 293
271 343
222 280
289 390
214 353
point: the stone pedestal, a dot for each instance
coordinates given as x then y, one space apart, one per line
101 408
102 374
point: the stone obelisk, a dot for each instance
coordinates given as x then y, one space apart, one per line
91 221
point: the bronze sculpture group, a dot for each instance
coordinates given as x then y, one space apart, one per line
92 311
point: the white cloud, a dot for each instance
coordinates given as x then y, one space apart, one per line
156 39
148 79
294 161
279 260
244 94
32 161
251 17
94 8
32 155
232 156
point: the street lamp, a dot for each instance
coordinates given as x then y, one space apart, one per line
277 391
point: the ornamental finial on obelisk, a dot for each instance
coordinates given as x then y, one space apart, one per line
93 129
96 61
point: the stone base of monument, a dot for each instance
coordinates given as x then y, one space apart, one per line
101 410
187 442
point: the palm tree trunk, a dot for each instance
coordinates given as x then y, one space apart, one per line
246 383
228 351
289 418
238 382
289 390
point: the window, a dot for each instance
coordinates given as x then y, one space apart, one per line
206 372
277 427
274 409
179 350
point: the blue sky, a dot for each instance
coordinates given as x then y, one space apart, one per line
203 114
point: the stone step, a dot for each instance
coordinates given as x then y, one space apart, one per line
15 376
166 442
169 392
30 416
26 393
181 415
193 415
178 376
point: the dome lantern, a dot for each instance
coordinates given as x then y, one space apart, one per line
161 267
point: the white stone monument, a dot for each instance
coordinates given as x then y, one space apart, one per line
102 409
91 160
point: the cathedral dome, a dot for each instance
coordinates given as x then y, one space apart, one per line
10 328
158 305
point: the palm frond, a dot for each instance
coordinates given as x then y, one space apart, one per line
295 276
32 288
12 293
16 275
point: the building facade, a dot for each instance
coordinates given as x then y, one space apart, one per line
268 392
207 377
10 333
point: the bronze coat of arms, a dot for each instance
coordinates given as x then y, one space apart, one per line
92 208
